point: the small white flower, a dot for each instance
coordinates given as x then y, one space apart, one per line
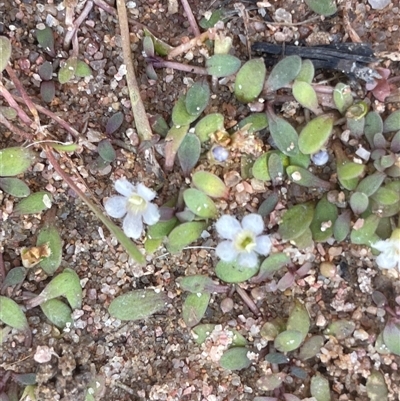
244 241
135 205
390 251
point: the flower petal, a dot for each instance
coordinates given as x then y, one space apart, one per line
226 251
382 246
263 245
116 206
145 192
124 187
133 225
254 223
247 259
386 260
227 226
151 215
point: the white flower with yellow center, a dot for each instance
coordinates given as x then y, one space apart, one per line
244 242
390 251
135 204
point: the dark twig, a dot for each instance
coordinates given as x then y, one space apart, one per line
247 300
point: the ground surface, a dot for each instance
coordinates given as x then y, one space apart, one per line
157 359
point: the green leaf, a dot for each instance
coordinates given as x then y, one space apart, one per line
357 111
304 240
305 94
197 98
296 221
270 382
249 80
202 331
14 186
275 167
173 140
34 203
325 215
350 170
160 46
47 91
311 347
319 388
180 115
45 38
376 386
184 234
210 184
260 168
258 122
137 304
114 122
159 125
341 329
222 65
189 153
5 52
49 235
299 319
300 160
315 134
235 359
15 160
268 205
371 183
288 340
65 284
194 307
307 72
68 147
392 122
8 112
373 125
322 7
199 203
12 315
284 135
270 265
385 196
151 245
106 150
208 125
82 69
216 16
15 276
391 336
57 312
303 177
365 235
284 72
232 272
359 202
67 71
161 229
342 97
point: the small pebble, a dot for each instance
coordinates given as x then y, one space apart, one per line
328 269
320 158
226 305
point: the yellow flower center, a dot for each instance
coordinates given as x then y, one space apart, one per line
245 241
136 204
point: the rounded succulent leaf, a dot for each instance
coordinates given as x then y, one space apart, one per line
342 97
208 125
189 153
34 203
305 94
49 235
235 359
194 308
284 72
288 340
67 71
12 314
340 329
392 122
222 65
319 388
249 80
296 221
322 7
299 319
137 304
307 72
210 184
199 203
57 312
15 160
231 272
325 215
106 150
284 135
14 186
311 347
359 202
197 98
82 69
184 234
315 134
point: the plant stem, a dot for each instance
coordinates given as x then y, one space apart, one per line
139 113
129 246
24 95
190 17
181 67
53 116
14 129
